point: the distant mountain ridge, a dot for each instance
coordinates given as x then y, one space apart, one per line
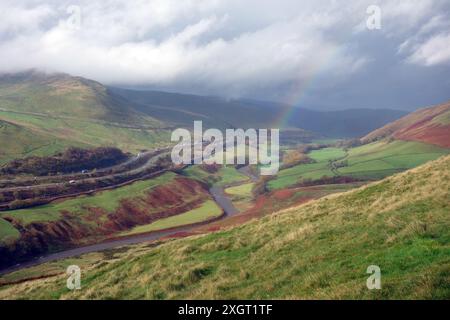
218 112
63 95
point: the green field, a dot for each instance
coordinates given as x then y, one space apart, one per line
320 250
226 175
107 200
241 196
208 210
8 232
380 159
43 114
291 176
327 154
25 135
368 162
244 190
70 97
197 173
229 175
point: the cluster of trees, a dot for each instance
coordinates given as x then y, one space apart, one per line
295 157
210 168
339 164
352 143
69 161
260 187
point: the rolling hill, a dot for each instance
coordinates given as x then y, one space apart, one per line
429 125
413 140
319 250
67 97
49 112
41 114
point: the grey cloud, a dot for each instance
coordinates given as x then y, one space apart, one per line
258 48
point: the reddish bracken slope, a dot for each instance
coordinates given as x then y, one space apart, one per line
429 125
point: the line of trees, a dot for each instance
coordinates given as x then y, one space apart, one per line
69 161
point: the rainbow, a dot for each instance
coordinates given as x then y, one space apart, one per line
300 89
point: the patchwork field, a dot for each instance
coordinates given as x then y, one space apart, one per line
299 246
289 177
326 154
44 135
380 159
368 162
7 232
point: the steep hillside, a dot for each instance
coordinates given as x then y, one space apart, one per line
372 161
19 141
41 114
62 95
93 218
318 250
429 125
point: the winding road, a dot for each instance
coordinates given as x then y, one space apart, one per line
217 192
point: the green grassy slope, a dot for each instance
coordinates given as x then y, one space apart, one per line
66 96
225 175
48 113
19 141
206 211
381 159
318 250
327 154
430 125
7 232
291 176
317 170
43 136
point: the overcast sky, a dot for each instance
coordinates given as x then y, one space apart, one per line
317 54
